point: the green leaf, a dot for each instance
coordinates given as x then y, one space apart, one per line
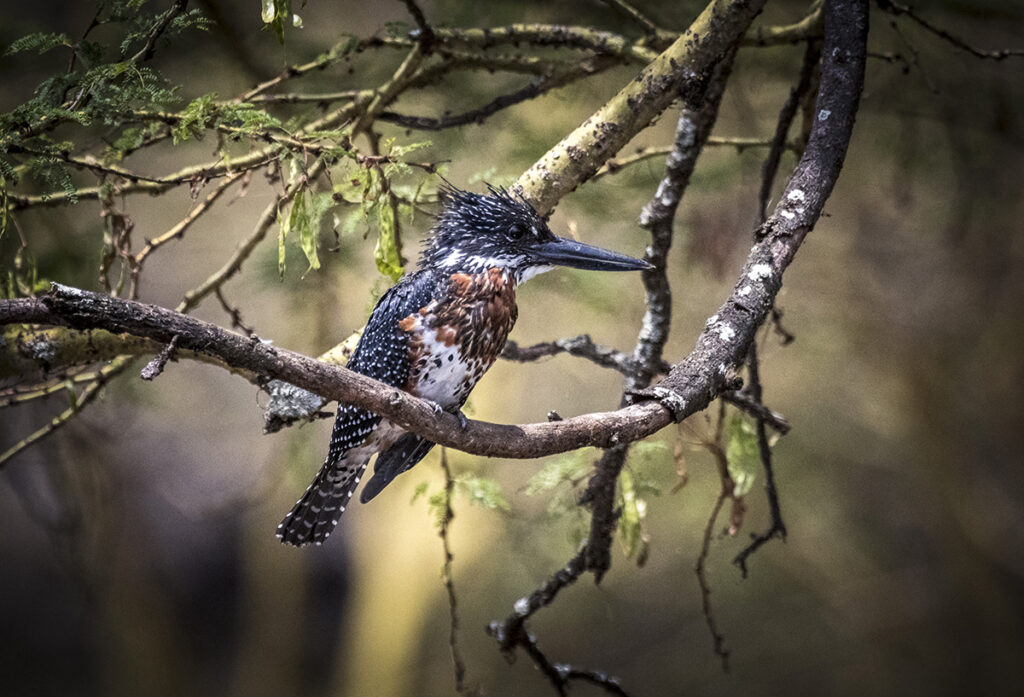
303 219
299 222
386 254
741 453
41 43
194 118
437 503
632 520
482 492
309 233
276 14
419 492
562 469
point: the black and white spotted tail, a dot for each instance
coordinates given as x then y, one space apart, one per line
316 514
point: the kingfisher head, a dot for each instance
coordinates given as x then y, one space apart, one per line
476 232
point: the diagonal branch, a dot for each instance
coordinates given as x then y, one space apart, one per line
580 154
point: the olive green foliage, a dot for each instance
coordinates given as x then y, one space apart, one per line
483 492
277 14
104 85
563 477
741 453
386 191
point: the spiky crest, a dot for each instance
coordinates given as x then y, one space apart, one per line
479 231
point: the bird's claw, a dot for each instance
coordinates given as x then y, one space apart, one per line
438 409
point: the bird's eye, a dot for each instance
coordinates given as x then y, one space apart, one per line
516 232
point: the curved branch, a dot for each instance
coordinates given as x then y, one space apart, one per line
581 153
81 309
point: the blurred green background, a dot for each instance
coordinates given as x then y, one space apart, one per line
138 554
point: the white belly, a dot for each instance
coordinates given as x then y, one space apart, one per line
445 378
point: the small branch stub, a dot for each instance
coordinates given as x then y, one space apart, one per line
156 366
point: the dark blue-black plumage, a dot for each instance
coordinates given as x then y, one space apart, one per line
434 334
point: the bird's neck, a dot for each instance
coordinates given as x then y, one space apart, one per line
513 269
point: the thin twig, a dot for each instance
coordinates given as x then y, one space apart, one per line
233 312
718 640
480 114
581 346
458 664
786 115
896 9
425 35
176 232
777 527
245 249
638 18
743 401
146 52
616 164
86 397
726 489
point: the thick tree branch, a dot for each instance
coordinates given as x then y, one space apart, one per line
581 153
728 334
83 309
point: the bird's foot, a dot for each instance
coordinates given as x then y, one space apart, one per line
438 409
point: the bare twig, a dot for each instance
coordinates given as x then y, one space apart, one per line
897 9
582 346
458 664
812 55
512 633
741 399
777 527
807 28
479 115
725 491
425 35
82 400
718 640
616 164
176 232
638 18
146 52
233 312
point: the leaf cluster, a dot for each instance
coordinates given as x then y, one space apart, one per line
483 492
102 86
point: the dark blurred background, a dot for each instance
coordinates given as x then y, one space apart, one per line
138 554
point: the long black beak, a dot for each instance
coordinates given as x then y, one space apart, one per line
563 252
